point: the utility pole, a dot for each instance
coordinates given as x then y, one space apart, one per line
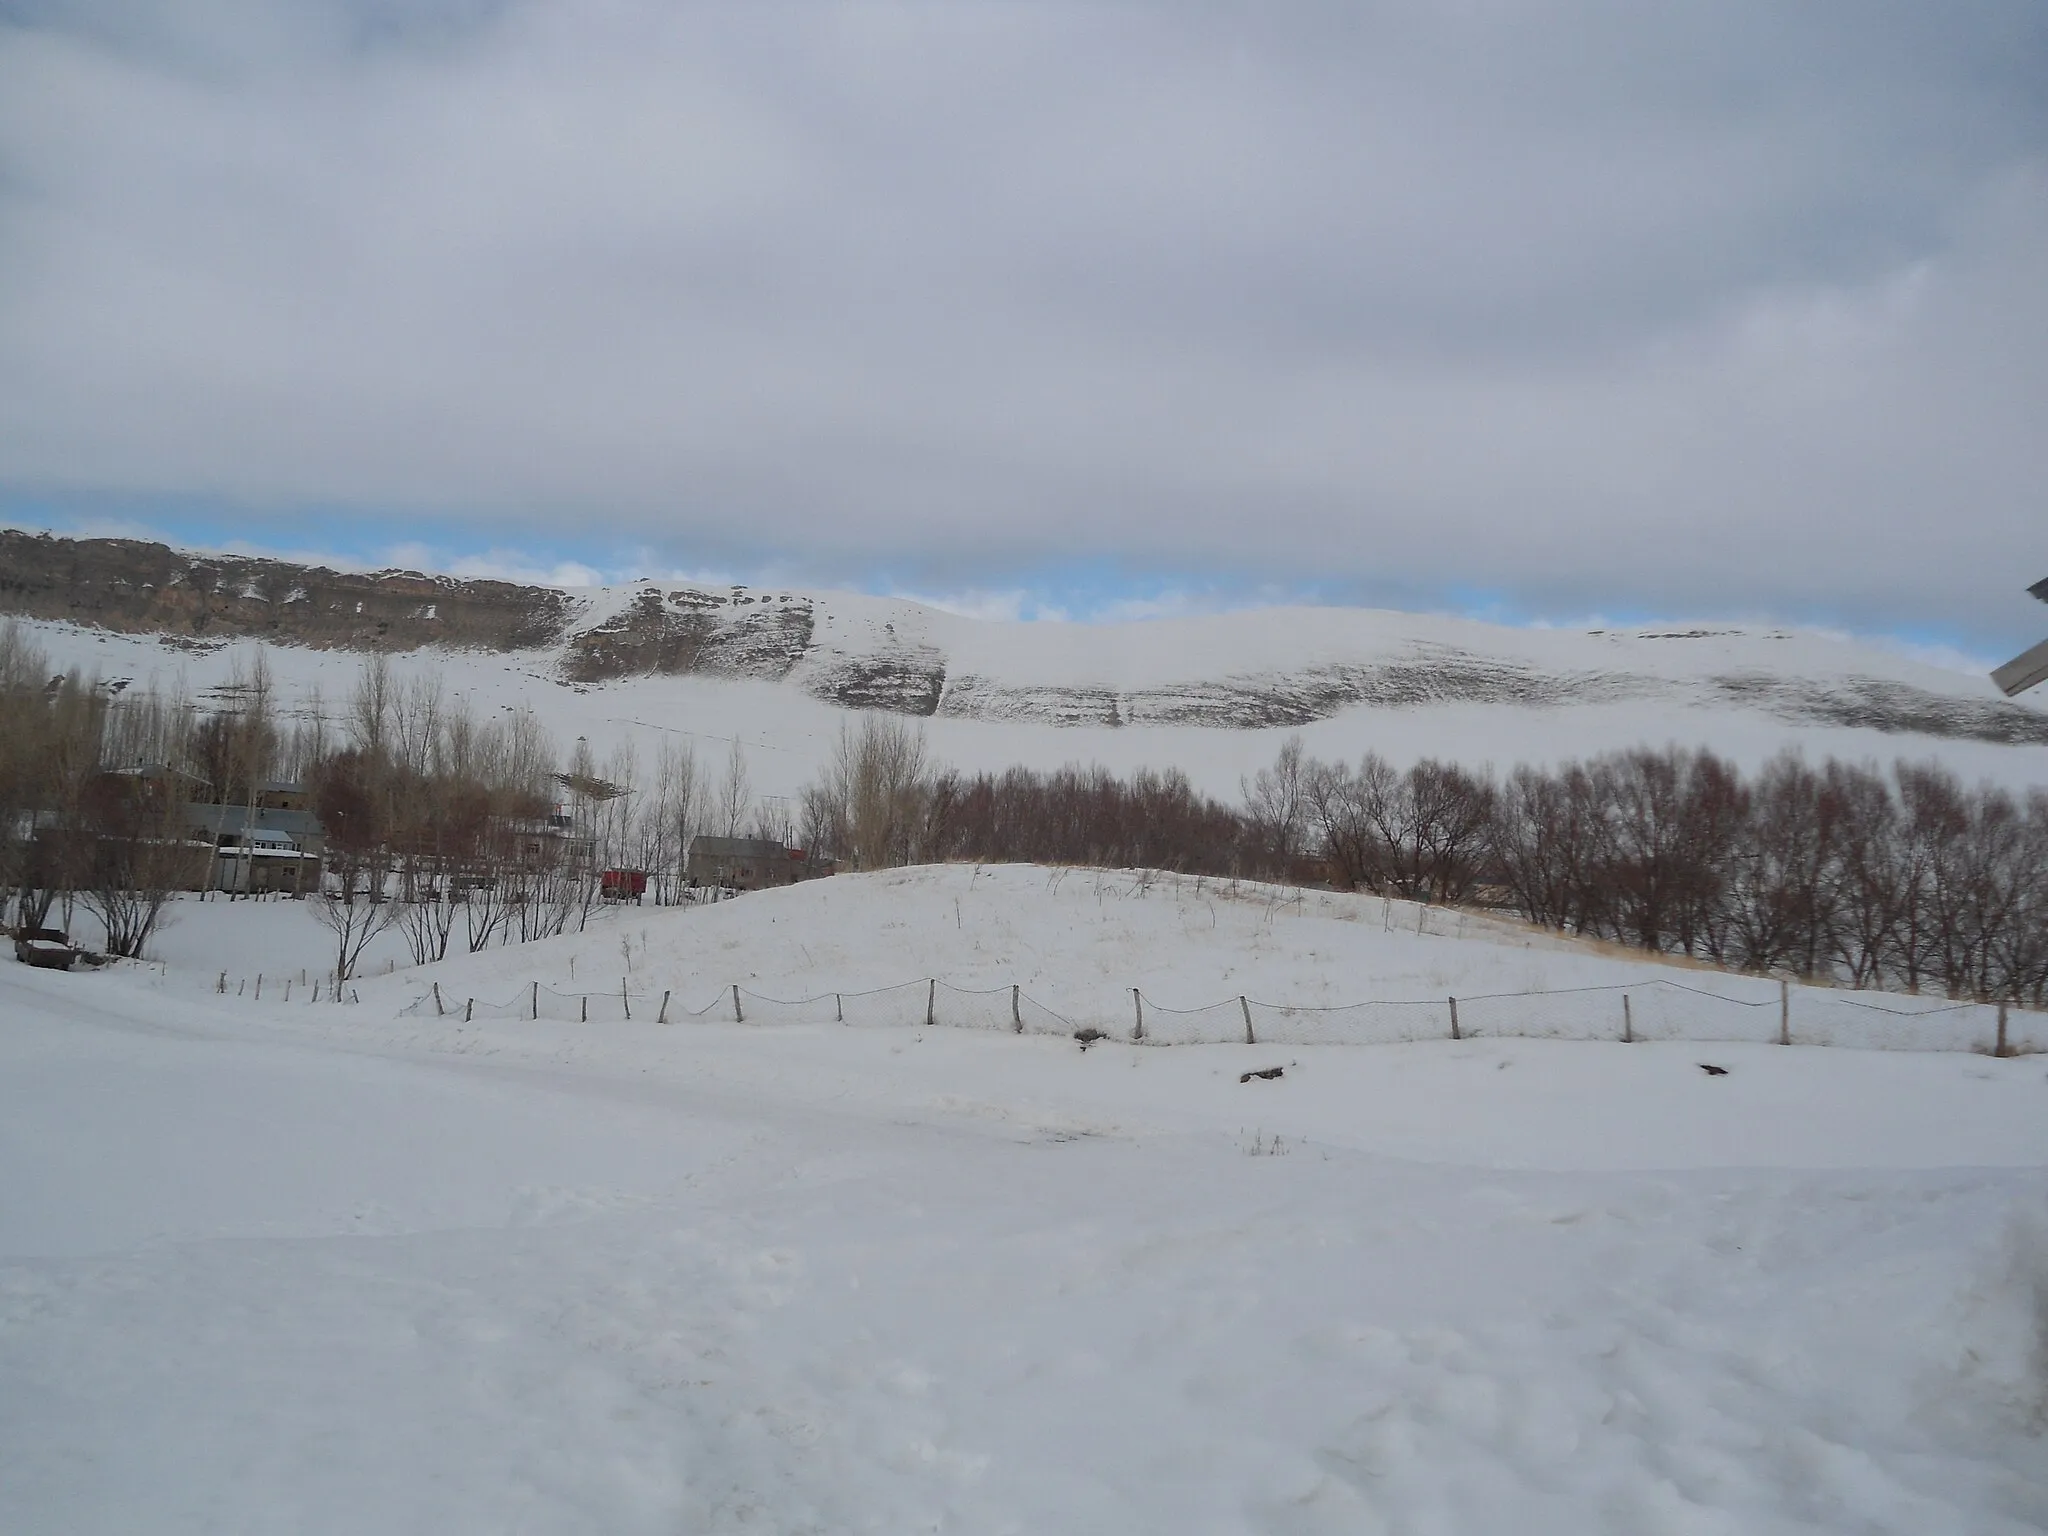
2024 671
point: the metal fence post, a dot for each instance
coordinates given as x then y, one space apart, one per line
1454 1020
1016 1009
468 1008
1138 1003
931 1001
662 1017
536 1000
1784 1012
2003 1050
438 1009
625 1002
1628 1022
737 1016
1247 1007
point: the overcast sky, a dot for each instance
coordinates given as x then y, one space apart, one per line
1538 312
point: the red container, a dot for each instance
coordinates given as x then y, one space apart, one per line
622 884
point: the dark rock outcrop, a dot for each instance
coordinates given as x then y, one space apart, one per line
1434 675
903 679
687 631
135 587
1879 704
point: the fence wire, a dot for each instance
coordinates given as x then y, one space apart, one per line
975 1008
1655 1009
878 1006
1210 1024
1367 1023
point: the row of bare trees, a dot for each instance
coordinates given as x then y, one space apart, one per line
882 801
451 827
95 785
1904 878
475 831
98 781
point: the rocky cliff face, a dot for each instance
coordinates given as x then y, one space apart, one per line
727 635
141 588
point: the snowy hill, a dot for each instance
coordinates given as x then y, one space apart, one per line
1167 959
1209 960
1214 695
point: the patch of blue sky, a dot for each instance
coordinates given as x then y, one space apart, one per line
1091 591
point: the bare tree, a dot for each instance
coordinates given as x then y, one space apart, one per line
735 796
354 903
678 811
868 806
370 706
1339 813
66 763
305 743
139 854
1785 875
1277 801
25 727
416 735
1869 874
1548 840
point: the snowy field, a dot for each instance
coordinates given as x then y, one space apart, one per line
197 940
273 1267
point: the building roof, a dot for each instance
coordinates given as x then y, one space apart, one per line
224 819
738 848
153 771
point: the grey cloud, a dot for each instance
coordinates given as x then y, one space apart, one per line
1731 308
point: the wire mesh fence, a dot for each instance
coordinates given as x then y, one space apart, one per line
1919 1024
1207 1024
1756 1011
618 1005
305 987
1369 1023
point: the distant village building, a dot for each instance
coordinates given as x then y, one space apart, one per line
128 816
550 841
284 795
276 845
748 863
157 782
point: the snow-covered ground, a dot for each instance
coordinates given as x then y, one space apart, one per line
337 1269
1311 967
199 939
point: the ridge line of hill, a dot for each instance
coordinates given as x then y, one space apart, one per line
1279 669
